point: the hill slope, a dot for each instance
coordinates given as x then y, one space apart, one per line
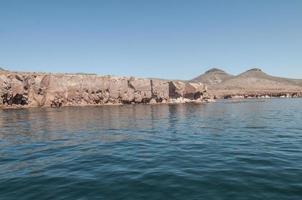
256 79
253 82
212 77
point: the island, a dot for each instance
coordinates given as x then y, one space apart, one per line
34 89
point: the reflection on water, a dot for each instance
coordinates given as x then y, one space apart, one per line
109 122
225 150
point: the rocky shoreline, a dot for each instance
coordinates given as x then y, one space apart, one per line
257 95
25 90
57 90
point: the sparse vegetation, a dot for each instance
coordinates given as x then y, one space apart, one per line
83 73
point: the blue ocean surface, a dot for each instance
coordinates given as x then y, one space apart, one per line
247 149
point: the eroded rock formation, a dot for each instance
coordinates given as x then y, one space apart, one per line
56 90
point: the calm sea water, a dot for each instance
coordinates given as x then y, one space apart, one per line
225 150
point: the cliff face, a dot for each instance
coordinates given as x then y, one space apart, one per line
56 90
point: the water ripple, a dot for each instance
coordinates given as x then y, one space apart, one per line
226 150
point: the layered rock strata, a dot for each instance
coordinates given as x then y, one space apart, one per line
56 90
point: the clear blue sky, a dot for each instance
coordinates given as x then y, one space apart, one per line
152 38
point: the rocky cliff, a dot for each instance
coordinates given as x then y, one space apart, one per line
56 90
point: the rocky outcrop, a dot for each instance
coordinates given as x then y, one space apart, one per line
56 90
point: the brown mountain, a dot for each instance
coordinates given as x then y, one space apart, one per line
212 77
256 82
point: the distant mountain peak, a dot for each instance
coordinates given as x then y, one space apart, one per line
252 80
214 70
254 70
212 77
1 69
